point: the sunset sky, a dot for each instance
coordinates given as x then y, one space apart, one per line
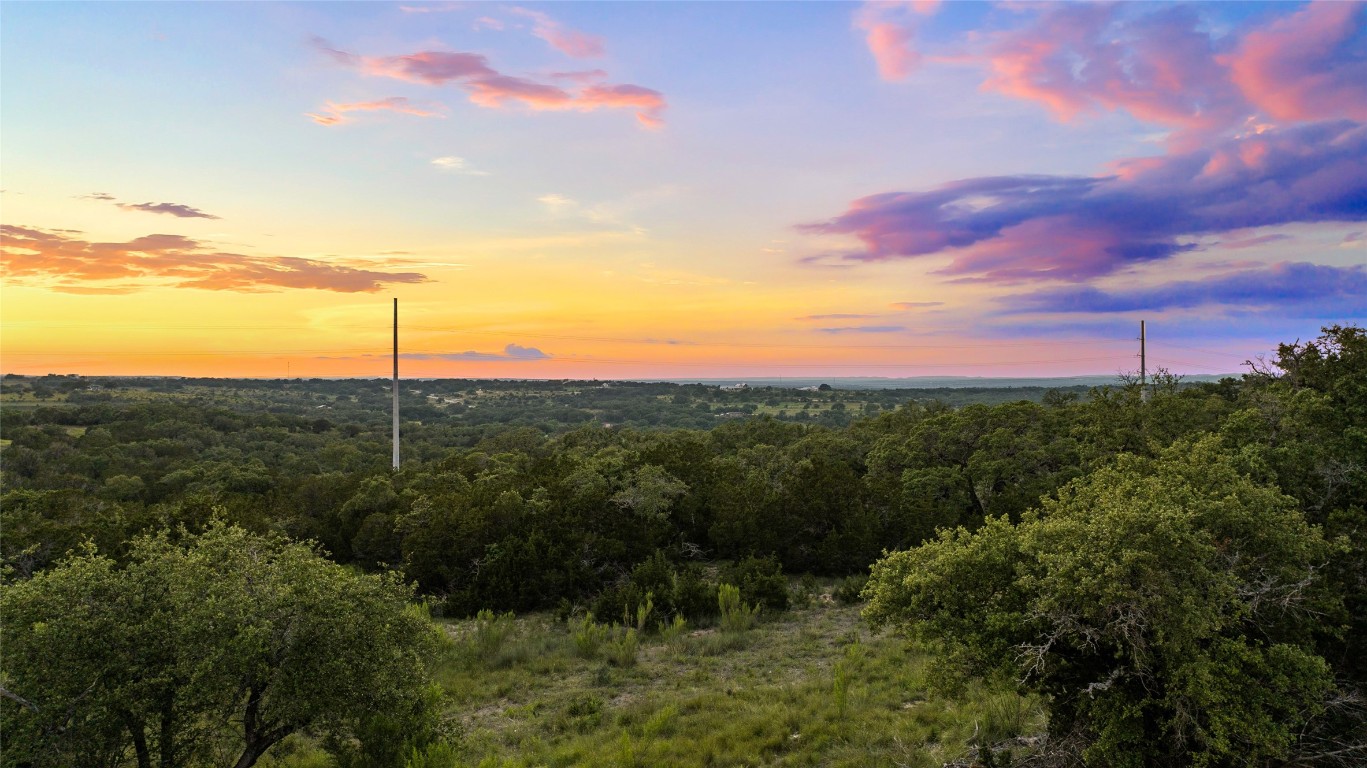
677 190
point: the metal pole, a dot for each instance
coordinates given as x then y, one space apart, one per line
395 385
1143 365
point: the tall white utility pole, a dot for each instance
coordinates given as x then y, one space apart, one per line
396 383
1143 367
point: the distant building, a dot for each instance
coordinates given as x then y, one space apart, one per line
735 387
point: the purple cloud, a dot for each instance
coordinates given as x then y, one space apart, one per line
864 329
1323 291
510 352
836 316
1016 228
172 209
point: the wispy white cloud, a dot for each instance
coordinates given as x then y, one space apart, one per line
557 203
456 165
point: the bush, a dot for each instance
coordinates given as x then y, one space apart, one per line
672 589
694 596
807 589
761 582
849 589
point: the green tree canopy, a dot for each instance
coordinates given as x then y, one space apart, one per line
1162 604
210 649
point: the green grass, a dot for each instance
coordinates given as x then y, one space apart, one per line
812 687
807 688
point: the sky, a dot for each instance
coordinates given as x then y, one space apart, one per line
677 190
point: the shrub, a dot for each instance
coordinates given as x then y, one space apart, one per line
807 589
736 616
643 611
761 582
671 589
437 755
621 649
694 596
589 636
848 590
490 633
582 714
673 633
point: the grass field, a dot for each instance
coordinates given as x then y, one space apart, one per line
811 687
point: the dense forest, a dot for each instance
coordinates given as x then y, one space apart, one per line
1178 570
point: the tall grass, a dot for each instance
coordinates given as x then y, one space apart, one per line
672 634
621 649
490 633
589 636
736 616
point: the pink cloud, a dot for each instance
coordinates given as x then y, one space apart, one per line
428 67
570 42
68 264
580 76
1162 66
891 48
890 33
649 104
335 113
1077 59
1307 66
425 67
498 90
490 88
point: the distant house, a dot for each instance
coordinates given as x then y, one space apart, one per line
736 387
